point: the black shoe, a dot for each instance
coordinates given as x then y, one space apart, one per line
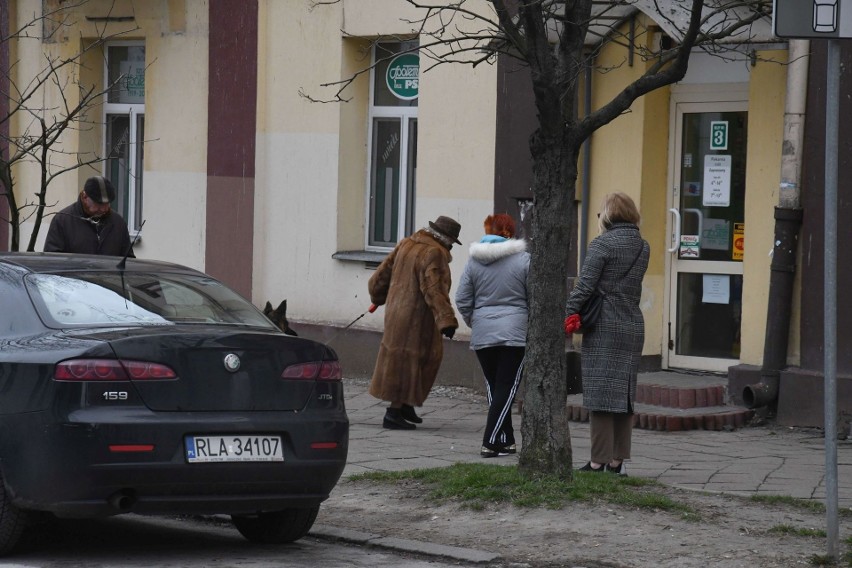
620 470
487 452
588 467
408 413
394 420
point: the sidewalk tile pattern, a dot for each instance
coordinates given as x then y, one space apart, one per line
762 460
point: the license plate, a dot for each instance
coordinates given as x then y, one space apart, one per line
233 448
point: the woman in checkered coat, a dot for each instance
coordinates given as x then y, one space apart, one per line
615 264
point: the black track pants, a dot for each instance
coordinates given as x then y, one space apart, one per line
503 368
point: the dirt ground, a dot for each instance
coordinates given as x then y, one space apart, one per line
732 532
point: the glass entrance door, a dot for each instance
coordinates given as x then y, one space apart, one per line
707 235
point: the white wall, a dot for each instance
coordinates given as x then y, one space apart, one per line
175 194
299 186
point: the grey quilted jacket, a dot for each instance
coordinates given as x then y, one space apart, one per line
492 294
612 349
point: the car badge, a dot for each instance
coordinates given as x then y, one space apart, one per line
232 362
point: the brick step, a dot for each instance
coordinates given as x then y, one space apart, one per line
673 401
681 397
667 419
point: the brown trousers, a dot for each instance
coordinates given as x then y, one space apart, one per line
611 433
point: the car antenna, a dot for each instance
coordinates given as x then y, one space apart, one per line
130 248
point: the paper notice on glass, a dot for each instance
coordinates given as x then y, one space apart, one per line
717 289
715 234
717 181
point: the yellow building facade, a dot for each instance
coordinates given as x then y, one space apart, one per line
288 208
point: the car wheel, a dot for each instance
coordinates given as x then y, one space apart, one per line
279 527
12 522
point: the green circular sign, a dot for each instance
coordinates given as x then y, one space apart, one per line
403 76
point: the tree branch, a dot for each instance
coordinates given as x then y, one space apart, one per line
672 65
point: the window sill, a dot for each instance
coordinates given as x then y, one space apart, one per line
370 258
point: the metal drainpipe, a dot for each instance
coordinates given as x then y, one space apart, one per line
788 220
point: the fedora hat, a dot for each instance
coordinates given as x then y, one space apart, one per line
447 226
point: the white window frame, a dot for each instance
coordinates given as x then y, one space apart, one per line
133 111
405 114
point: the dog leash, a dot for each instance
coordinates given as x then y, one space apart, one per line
370 310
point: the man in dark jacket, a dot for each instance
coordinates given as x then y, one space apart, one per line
90 226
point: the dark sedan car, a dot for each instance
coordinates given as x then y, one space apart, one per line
153 388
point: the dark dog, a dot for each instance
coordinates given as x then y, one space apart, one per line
278 316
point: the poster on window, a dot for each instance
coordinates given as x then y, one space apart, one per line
690 246
692 189
132 81
715 234
738 251
717 181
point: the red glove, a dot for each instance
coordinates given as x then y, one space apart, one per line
572 324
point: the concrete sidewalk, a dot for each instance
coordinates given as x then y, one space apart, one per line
762 460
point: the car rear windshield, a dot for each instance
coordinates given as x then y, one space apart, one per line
88 299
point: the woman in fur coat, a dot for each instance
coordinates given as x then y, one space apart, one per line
615 265
413 283
492 300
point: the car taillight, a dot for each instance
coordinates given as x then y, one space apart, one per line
141 370
90 370
320 371
110 370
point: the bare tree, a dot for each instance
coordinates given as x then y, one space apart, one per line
550 38
41 130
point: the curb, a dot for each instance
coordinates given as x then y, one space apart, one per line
469 555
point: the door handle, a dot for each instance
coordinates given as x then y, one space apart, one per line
676 235
700 215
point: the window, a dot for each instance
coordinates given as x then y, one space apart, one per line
393 142
100 299
124 117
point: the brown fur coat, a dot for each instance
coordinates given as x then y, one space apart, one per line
414 284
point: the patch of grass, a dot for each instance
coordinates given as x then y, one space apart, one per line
796 531
822 560
476 485
802 504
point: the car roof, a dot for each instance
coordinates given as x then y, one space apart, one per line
53 262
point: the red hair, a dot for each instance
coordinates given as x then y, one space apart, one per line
500 224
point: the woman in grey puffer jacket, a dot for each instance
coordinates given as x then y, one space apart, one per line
492 299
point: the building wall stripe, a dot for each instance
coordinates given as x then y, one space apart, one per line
231 121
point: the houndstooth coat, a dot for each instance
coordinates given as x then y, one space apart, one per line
612 349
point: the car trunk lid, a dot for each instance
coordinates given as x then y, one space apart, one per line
218 369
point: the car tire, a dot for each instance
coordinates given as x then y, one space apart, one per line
13 521
278 527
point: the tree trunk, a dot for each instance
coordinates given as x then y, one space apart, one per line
547 440
42 202
12 204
